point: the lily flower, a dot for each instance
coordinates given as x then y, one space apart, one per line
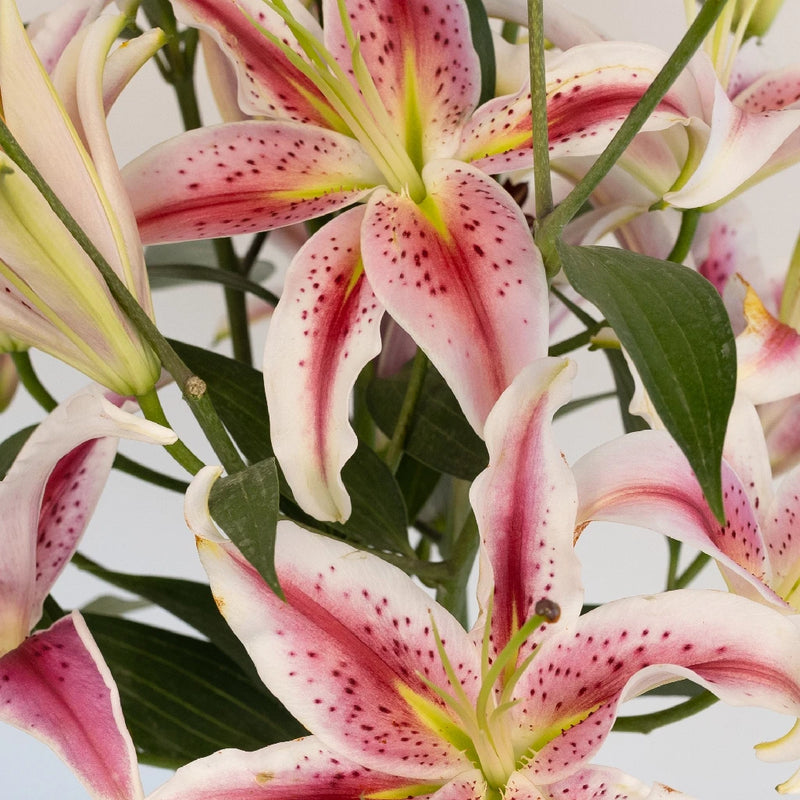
53 298
401 701
54 683
379 107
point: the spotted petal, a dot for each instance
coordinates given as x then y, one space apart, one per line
323 332
48 497
287 771
352 633
425 68
461 274
525 506
590 90
245 176
745 653
56 686
643 479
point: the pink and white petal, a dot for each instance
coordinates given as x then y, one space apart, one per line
222 79
774 90
50 33
768 354
590 90
269 84
744 652
461 274
781 421
740 143
525 503
644 479
422 61
782 534
49 494
57 687
352 631
242 177
323 332
294 770
51 143
595 782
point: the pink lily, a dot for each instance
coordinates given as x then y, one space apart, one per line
379 108
53 297
403 702
54 683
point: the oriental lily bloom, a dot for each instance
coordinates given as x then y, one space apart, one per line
54 683
53 297
401 701
380 108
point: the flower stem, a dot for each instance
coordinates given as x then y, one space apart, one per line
689 220
394 452
645 723
137 470
541 143
235 303
152 409
550 228
688 575
30 380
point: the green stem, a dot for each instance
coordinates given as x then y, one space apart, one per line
197 272
689 220
30 380
689 574
672 568
235 303
645 723
574 342
131 467
451 593
394 452
541 143
192 387
551 228
152 409
250 257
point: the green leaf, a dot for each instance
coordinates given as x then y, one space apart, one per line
10 448
417 483
483 43
246 507
189 601
439 434
110 605
674 326
183 698
378 519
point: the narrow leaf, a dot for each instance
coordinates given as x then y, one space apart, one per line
11 447
674 326
183 698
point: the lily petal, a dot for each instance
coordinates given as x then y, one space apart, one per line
50 33
294 770
269 84
57 687
245 176
744 652
461 274
644 479
424 65
323 332
48 497
359 626
525 503
589 782
590 90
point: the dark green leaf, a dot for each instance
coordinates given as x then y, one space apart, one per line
674 326
189 601
10 448
246 507
183 698
417 482
439 434
378 519
483 43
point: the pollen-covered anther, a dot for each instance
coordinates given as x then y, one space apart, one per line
548 609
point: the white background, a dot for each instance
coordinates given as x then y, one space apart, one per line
140 529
